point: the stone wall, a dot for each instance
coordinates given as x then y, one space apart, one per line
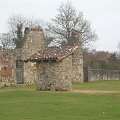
77 57
102 74
77 66
6 81
55 75
30 72
6 77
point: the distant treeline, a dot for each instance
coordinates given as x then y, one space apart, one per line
101 60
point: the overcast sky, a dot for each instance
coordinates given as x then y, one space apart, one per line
104 16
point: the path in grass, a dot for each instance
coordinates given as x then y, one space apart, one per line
76 91
95 91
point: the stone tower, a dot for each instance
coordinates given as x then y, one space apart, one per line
77 57
33 41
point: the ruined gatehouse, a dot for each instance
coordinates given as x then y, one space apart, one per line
52 68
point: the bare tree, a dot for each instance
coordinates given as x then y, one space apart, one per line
17 24
19 39
66 20
14 21
6 41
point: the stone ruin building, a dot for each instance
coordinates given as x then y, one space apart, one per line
33 41
58 67
52 68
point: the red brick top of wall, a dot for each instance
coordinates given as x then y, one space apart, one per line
5 72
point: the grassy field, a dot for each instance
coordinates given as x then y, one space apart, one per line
99 85
25 103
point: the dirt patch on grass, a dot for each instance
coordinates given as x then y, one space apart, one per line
95 91
75 91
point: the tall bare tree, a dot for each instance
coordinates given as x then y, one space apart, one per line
17 24
6 41
14 21
18 40
66 20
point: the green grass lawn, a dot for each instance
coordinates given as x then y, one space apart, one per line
99 85
25 103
